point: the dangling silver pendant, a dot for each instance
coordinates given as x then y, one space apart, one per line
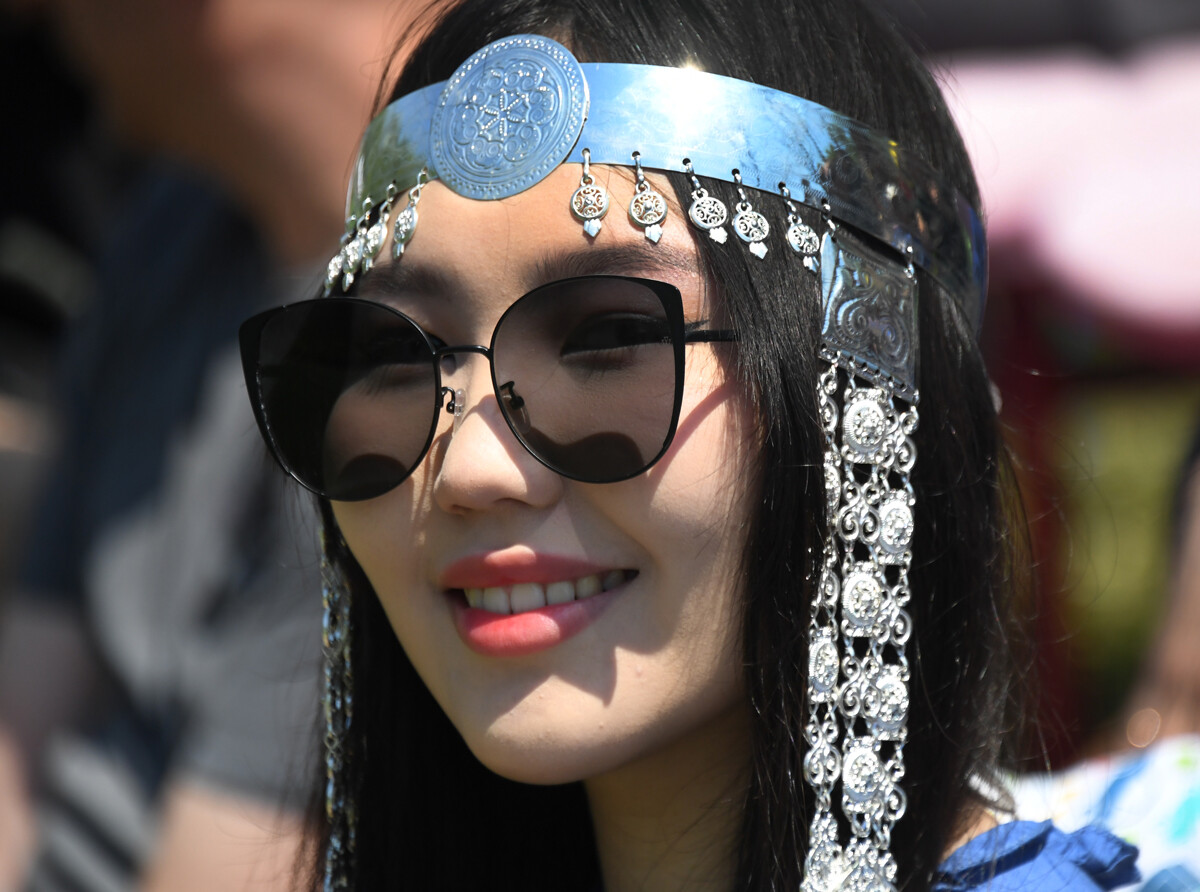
648 209
709 213
800 236
589 204
752 228
351 258
406 220
402 232
332 272
376 233
803 238
373 241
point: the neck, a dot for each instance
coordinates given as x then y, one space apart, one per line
670 821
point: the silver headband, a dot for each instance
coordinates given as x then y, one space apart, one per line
522 106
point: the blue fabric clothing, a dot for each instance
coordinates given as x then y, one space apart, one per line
1027 856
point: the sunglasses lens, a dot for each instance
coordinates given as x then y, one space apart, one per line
586 373
349 395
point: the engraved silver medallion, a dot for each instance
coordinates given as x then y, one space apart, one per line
865 422
402 233
862 774
508 116
709 213
332 272
752 228
373 241
803 239
589 203
351 258
896 525
892 692
862 601
823 667
648 209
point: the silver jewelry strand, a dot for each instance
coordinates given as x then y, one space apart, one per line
801 237
750 226
338 707
376 233
706 212
589 203
647 208
859 627
406 220
360 244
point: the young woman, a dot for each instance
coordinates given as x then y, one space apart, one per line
635 578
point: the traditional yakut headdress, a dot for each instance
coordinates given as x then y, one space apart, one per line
521 107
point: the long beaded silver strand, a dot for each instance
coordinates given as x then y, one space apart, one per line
859 623
338 705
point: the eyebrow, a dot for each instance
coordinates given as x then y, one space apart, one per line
396 279
623 259
405 278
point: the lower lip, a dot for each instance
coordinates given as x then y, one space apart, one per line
518 634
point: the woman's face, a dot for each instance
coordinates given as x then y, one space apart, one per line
573 690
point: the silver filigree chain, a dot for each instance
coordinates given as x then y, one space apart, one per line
858 630
338 703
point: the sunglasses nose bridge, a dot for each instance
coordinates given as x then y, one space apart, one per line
457 383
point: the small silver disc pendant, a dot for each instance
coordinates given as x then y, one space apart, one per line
589 204
373 241
709 213
803 238
752 228
351 259
648 209
332 272
402 233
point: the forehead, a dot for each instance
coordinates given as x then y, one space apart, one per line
509 246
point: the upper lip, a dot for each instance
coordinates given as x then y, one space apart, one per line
513 565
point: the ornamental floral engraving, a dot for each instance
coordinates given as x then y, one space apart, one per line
507 117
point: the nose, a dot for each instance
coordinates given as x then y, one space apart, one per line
480 465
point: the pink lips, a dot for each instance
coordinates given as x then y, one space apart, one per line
512 635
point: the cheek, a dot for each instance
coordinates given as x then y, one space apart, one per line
384 535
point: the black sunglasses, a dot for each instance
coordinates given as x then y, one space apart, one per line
588 373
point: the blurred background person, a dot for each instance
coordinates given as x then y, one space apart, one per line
160 641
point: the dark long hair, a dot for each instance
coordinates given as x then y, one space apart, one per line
429 815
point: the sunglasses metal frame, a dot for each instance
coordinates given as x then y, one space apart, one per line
251 333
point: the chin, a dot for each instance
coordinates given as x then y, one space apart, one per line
543 758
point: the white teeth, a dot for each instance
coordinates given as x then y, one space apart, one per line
560 592
613 578
527 596
495 600
587 586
